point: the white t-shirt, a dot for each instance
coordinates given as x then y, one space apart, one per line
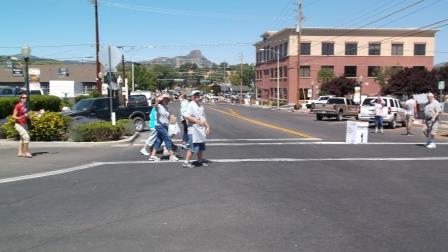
194 110
410 106
163 115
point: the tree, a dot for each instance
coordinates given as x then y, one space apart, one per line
325 74
144 78
385 73
410 81
340 86
248 75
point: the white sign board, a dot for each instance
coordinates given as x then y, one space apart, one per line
115 57
441 85
357 132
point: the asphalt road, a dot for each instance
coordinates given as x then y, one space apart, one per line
278 181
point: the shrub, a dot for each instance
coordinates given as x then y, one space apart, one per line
50 126
47 102
7 106
95 132
127 125
37 102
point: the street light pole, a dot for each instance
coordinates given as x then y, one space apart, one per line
278 78
26 53
97 38
360 88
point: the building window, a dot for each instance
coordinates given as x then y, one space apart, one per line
397 49
420 49
372 71
305 71
285 49
285 71
327 48
281 72
328 67
350 71
305 48
351 49
280 48
266 72
419 67
374 49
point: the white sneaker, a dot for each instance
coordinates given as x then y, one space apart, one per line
431 146
174 158
144 152
153 158
188 165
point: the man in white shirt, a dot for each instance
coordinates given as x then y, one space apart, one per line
431 120
198 128
411 114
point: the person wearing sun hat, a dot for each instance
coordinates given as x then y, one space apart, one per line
161 126
198 128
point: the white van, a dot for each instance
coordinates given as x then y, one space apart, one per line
393 111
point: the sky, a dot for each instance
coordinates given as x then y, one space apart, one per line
224 31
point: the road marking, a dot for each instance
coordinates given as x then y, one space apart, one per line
250 139
50 173
233 113
231 160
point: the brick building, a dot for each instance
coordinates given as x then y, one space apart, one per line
354 53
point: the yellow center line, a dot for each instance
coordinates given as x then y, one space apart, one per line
260 123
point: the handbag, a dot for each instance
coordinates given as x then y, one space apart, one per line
198 133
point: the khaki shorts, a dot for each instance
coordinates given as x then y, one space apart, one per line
430 127
24 136
409 119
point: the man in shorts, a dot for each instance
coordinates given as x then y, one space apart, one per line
431 120
411 114
198 128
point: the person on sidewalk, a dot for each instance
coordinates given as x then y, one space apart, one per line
378 103
20 115
161 126
411 114
183 110
149 143
198 128
431 120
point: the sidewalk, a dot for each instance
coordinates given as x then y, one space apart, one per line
13 143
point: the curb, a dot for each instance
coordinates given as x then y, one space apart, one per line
13 143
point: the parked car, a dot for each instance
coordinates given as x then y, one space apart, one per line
99 108
393 111
137 100
321 100
338 107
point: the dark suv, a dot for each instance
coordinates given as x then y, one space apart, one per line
137 101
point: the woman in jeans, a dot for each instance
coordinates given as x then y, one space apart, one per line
20 114
379 104
161 126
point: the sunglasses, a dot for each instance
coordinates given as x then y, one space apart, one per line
23 97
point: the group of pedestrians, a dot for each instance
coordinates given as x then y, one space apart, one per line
431 117
163 125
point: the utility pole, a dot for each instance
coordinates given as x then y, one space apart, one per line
299 31
241 80
98 69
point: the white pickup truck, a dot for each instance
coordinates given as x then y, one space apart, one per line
321 100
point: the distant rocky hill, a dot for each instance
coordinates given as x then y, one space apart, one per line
194 57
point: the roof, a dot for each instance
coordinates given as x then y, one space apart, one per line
372 32
76 72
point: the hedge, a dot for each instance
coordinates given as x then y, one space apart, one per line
37 102
50 126
96 132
